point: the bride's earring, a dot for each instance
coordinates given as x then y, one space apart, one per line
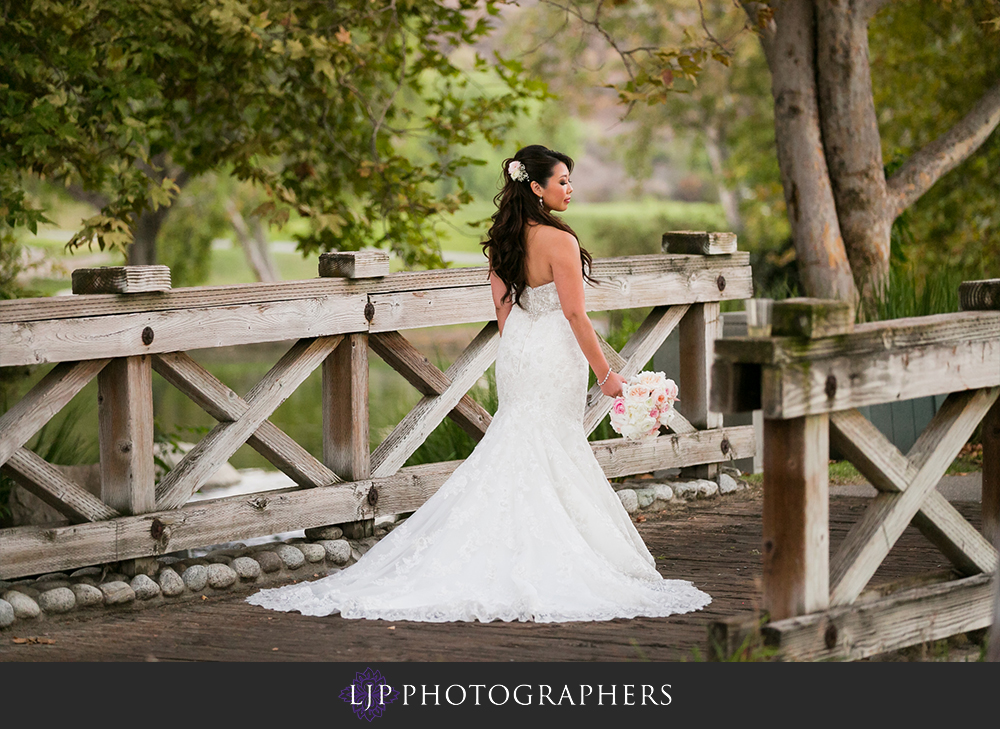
540 203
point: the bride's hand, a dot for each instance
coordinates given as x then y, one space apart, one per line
613 385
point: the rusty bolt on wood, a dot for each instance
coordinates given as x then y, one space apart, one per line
369 311
372 496
721 282
831 386
147 336
724 446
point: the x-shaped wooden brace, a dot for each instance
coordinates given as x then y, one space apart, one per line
26 418
427 414
204 459
907 492
655 328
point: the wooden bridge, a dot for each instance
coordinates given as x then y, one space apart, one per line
123 324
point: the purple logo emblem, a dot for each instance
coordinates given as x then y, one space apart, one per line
369 694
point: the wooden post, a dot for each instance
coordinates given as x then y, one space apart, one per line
125 432
345 418
796 516
985 296
699 329
991 474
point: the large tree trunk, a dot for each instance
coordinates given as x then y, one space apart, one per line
851 138
789 46
254 242
142 252
717 161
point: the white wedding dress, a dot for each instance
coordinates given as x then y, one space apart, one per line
527 528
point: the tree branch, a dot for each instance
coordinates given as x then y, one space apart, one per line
928 165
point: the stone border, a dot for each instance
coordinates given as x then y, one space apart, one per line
235 568
239 568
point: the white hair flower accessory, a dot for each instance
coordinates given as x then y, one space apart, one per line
517 171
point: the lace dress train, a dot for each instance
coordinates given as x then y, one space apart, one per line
527 528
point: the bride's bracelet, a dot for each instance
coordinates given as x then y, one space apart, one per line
601 383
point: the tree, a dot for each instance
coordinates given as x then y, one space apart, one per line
126 100
841 205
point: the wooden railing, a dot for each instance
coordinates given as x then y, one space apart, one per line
354 307
810 378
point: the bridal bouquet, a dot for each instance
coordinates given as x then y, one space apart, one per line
646 403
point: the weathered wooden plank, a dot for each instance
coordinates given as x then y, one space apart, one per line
991 474
871 538
51 486
33 550
121 279
407 360
354 264
204 459
431 410
26 310
698 242
918 615
225 405
125 434
846 382
796 516
637 352
43 401
895 335
154 332
888 470
432 307
979 295
619 457
811 318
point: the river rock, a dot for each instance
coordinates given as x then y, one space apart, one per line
337 551
727 484
645 497
170 582
195 577
221 576
216 558
144 587
24 606
4 586
116 577
685 489
663 492
26 589
168 560
707 489
312 552
86 572
53 576
117 593
629 500
246 568
268 561
6 613
291 556
87 595
44 587
59 600
324 532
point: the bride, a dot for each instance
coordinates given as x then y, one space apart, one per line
528 527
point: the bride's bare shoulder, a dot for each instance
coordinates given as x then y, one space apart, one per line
553 239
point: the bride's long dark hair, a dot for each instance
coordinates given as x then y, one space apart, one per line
517 206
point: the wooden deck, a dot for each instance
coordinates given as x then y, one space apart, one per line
714 543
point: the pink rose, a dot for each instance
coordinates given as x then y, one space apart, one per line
618 407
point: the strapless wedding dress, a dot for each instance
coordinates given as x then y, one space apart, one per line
527 528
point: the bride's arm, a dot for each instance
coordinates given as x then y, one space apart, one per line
503 308
564 257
